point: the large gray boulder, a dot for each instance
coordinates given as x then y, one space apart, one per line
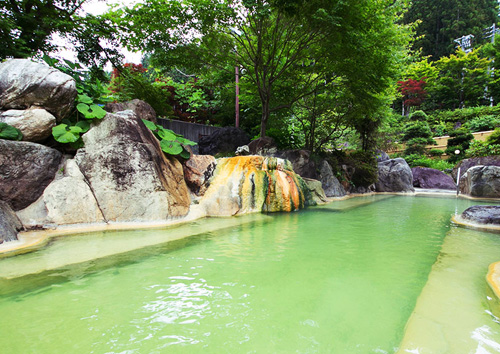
481 181
35 123
67 200
25 170
224 140
24 84
465 164
394 176
301 161
141 108
9 223
329 182
315 190
424 177
128 173
483 214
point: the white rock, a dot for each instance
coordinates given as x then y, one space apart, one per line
35 123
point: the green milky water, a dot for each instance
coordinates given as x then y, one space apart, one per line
341 278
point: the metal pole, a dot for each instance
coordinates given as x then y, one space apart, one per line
237 74
458 181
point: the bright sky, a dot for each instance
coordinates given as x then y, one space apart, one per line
97 7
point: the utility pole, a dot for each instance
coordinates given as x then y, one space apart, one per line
490 32
465 42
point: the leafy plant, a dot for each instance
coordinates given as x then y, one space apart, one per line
459 142
478 148
416 160
91 96
170 142
8 132
483 123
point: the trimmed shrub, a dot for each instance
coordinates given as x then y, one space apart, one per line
420 116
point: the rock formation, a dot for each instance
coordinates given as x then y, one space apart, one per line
197 172
142 109
67 200
394 176
129 175
9 223
329 182
315 190
248 184
482 214
424 177
25 170
25 84
465 164
34 123
481 181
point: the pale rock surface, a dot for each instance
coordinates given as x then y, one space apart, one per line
316 190
35 123
129 175
67 200
24 83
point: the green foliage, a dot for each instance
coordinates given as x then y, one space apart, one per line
435 152
170 142
494 138
442 21
365 168
483 123
418 116
91 96
459 142
8 132
417 135
416 160
478 148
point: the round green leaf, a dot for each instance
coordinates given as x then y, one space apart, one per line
84 99
97 111
166 135
84 125
171 147
150 125
8 132
64 135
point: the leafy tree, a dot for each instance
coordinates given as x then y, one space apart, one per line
413 92
285 49
461 81
459 142
440 22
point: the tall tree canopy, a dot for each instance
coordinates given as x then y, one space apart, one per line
443 21
287 49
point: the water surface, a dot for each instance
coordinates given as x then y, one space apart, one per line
341 278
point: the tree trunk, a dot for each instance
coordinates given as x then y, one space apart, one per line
266 110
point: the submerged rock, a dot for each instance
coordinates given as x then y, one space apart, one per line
131 178
424 177
394 176
483 214
10 225
248 184
25 170
481 181
24 84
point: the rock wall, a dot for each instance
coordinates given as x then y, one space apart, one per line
248 184
481 182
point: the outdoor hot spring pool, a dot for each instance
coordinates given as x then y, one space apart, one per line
340 278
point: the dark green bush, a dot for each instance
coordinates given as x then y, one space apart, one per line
459 141
365 168
494 138
435 152
483 123
423 161
418 116
478 148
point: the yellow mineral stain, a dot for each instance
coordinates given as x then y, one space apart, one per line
253 184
